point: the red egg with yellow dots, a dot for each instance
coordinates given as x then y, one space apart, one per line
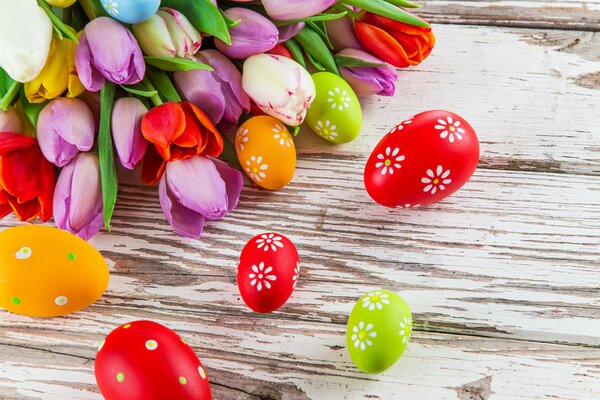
268 271
144 360
422 160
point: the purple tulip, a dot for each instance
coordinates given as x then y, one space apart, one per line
65 127
78 197
341 34
218 93
108 50
294 9
126 124
253 35
287 32
367 81
197 189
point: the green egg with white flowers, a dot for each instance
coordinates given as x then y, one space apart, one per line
335 115
378 331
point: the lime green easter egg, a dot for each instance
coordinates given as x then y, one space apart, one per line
378 331
335 115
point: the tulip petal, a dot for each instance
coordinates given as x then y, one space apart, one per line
196 184
127 132
162 125
234 182
153 166
10 142
183 220
90 77
212 140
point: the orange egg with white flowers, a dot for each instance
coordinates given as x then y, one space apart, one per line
266 151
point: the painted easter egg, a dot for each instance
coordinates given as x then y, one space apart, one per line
131 11
335 115
378 331
144 360
48 272
268 271
266 151
422 160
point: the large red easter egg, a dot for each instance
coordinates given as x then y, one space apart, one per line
268 271
422 160
144 360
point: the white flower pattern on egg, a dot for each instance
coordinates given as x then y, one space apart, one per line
406 329
326 130
282 135
436 180
112 7
269 242
401 125
296 274
450 129
23 254
362 335
339 99
375 300
261 276
256 169
61 301
389 160
242 139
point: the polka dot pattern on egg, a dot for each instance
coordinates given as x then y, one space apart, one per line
120 377
182 380
16 300
61 301
151 345
23 254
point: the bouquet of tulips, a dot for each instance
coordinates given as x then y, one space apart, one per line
89 84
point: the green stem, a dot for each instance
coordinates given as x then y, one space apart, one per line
10 95
342 8
156 100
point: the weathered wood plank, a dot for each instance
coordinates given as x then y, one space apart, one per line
262 358
548 14
518 88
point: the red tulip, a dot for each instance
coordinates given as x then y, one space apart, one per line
178 131
399 44
26 178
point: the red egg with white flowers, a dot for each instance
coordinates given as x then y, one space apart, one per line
422 160
268 271
144 360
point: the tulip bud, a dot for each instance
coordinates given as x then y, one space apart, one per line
107 50
168 34
341 34
367 81
54 79
127 117
78 197
197 189
253 35
25 35
65 127
280 87
218 93
61 3
294 9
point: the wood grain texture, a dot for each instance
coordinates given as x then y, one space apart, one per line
503 277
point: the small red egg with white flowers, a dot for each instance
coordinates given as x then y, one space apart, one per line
144 360
268 271
422 160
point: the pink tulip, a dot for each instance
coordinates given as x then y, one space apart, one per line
126 121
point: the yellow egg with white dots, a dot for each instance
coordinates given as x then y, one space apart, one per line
266 151
47 272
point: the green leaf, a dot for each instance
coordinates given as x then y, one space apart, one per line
203 15
315 63
404 3
176 64
294 47
388 10
315 48
32 110
5 82
108 170
10 95
229 155
320 28
57 23
318 17
230 23
295 130
343 61
139 90
163 85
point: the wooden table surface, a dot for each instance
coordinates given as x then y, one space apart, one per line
503 278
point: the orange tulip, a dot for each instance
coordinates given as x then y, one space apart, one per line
399 44
177 131
26 178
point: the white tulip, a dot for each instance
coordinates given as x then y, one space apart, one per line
279 86
25 36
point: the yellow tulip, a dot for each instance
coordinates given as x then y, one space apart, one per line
61 3
59 74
